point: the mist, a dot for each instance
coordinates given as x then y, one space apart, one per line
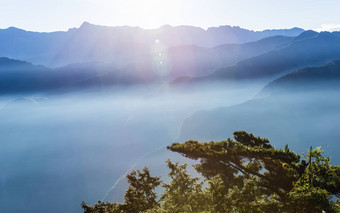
300 117
59 149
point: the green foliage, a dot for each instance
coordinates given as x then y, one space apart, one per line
242 175
273 170
101 207
319 181
254 176
183 193
336 205
139 197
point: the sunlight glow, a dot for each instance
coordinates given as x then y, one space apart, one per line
151 13
48 16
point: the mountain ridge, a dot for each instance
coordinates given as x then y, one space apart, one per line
103 43
292 107
147 68
310 49
307 79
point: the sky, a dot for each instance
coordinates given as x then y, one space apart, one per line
56 15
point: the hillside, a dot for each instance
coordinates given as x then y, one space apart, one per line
307 79
308 49
302 108
112 44
145 68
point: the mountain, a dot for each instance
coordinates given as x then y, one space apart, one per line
301 109
38 48
307 79
197 61
22 77
114 44
145 68
308 49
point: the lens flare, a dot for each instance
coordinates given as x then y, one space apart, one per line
160 61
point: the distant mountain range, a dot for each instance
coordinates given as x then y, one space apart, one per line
19 76
157 58
22 77
288 110
262 60
308 49
307 80
115 44
196 61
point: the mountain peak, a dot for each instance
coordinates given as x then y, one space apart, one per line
166 26
4 61
86 24
225 27
13 29
306 35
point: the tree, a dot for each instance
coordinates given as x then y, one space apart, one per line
139 197
184 193
245 175
101 207
275 178
317 184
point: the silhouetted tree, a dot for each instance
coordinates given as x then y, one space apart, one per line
139 197
184 193
254 176
245 175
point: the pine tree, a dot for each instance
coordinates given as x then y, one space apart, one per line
257 177
184 193
139 197
245 175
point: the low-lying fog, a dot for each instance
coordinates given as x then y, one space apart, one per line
57 150
299 118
